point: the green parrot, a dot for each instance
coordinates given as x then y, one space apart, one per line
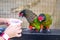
48 21
45 21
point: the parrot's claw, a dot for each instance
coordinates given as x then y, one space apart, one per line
41 30
48 30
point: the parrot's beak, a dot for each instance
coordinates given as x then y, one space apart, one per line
20 14
40 20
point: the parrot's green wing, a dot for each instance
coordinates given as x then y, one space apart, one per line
48 20
36 24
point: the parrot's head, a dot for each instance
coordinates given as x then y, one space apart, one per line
22 13
42 17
